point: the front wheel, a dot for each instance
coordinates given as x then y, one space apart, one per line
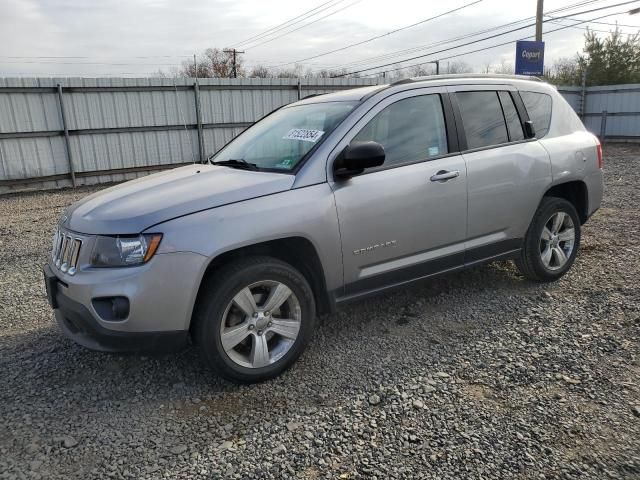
254 319
552 241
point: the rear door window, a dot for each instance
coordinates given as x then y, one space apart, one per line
514 125
482 118
538 107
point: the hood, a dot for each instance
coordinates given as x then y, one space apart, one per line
133 206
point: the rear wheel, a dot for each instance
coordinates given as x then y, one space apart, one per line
255 319
552 241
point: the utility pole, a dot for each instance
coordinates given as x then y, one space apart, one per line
539 12
437 64
234 68
195 66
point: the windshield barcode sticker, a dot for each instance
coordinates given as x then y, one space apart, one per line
304 134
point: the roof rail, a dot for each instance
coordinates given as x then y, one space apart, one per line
465 75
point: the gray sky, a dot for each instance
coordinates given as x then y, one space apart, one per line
138 37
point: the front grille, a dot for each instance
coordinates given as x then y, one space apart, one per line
66 251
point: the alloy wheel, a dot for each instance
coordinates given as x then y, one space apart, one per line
260 324
557 241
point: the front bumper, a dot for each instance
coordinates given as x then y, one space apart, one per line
161 295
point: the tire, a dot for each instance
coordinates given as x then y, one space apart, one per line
541 257
220 320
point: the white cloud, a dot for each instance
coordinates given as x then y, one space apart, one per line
112 32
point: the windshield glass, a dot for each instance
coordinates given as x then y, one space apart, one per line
280 140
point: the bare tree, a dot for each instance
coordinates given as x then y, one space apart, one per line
565 71
173 72
505 68
455 67
214 63
295 72
327 73
260 71
419 71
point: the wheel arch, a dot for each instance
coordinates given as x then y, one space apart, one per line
297 251
574 191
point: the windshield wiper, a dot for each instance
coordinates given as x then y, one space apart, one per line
237 163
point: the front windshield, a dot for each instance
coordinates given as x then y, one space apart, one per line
280 140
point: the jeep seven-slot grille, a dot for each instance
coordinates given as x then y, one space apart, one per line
65 252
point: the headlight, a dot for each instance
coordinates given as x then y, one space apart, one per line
124 250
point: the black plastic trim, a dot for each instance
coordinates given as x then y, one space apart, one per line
487 251
462 138
522 111
503 250
450 123
420 270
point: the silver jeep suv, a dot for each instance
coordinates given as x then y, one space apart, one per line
324 201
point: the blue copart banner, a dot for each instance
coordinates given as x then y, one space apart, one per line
529 58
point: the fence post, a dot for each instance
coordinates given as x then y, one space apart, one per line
603 126
67 143
196 89
299 89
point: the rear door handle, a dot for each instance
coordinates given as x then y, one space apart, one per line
444 175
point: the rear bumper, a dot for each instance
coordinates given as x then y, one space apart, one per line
595 189
79 324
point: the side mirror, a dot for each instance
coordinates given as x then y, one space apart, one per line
356 157
529 131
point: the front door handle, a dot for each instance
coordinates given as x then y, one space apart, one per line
444 175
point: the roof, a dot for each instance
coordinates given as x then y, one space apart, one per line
356 94
349 95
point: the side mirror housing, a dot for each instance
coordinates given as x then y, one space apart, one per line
529 131
356 157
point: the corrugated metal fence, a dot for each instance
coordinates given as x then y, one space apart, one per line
60 132
611 112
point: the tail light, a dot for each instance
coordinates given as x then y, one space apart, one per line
599 153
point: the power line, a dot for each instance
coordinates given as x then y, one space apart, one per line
288 23
587 29
86 57
575 26
483 39
493 46
599 23
89 63
380 36
430 45
530 36
303 26
461 37
574 5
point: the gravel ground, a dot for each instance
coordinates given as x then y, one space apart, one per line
474 375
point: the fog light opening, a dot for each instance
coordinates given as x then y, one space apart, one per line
112 308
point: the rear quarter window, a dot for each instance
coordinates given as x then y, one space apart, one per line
538 107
